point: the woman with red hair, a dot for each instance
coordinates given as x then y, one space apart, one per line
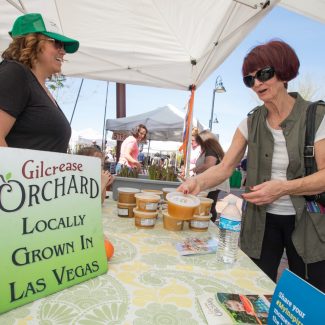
275 213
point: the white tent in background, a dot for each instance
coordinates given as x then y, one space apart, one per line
84 138
163 123
167 43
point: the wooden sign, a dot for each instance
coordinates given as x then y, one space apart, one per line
119 136
51 233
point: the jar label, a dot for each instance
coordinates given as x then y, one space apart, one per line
151 206
229 224
147 222
122 212
199 224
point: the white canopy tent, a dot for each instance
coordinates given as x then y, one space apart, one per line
169 43
161 43
163 123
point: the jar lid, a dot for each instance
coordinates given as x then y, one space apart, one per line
167 215
184 200
169 189
158 192
145 214
125 205
202 218
147 196
128 190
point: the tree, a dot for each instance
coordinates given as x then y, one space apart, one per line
55 83
308 88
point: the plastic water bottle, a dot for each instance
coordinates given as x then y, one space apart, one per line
229 230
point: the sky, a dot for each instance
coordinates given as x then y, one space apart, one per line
305 35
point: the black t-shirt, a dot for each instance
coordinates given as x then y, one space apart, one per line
40 124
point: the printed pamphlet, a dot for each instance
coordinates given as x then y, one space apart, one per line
194 246
229 308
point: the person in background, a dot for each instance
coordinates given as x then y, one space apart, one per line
181 171
109 156
141 155
130 150
275 213
161 161
211 155
29 115
172 162
156 159
243 170
95 145
106 178
195 150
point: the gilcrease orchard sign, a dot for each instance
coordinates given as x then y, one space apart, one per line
51 233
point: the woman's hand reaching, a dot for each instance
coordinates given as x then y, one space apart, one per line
190 186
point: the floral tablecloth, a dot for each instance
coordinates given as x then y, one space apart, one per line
148 282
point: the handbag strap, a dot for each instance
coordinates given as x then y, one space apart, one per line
309 149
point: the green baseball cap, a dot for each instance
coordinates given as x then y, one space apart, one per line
35 23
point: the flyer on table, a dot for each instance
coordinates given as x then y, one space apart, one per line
51 232
295 301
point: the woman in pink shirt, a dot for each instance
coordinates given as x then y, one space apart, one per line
130 150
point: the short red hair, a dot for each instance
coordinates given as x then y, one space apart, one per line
276 54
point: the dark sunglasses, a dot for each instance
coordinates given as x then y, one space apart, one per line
262 75
57 44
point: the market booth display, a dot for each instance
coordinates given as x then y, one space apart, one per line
147 280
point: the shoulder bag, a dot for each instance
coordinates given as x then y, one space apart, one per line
309 150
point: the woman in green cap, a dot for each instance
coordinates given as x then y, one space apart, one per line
29 115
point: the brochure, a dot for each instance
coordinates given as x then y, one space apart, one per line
194 245
229 308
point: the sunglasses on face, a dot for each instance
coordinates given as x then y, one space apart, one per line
57 44
262 75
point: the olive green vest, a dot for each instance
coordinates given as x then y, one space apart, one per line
309 234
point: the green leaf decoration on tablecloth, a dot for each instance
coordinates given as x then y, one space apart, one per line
161 314
159 260
58 313
105 314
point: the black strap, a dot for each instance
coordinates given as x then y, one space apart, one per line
309 150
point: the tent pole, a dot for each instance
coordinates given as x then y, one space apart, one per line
104 122
75 104
120 111
149 146
189 125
